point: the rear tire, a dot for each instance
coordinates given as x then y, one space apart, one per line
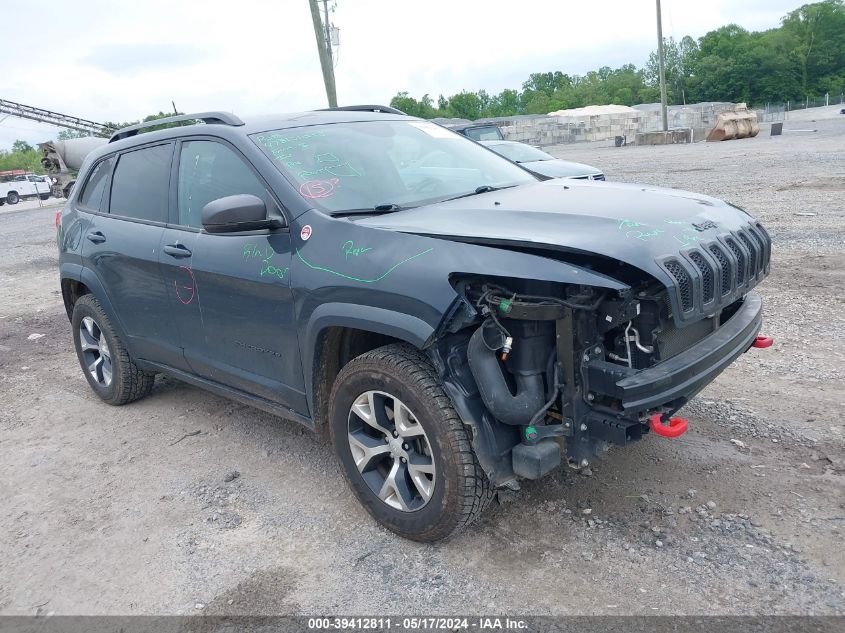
44 196
103 357
12 197
402 447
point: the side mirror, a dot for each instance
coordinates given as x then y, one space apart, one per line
241 212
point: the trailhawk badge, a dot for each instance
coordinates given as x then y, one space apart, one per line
305 233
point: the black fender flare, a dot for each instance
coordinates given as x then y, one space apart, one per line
404 327
89 278
420 334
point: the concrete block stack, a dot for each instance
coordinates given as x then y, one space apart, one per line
592 124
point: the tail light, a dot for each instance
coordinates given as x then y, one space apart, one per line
58 218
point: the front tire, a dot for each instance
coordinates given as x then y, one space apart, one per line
106 363
402 447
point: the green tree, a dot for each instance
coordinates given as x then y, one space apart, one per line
67 134
506 103
818 43
21 146
146 119
465 105
679 58
804 56
29 160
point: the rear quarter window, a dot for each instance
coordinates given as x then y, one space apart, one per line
141 182
93 189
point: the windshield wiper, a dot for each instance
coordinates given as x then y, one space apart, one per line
478 190
387 207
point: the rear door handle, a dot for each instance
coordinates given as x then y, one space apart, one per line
177 250
96 237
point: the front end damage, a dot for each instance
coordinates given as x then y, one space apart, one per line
543 372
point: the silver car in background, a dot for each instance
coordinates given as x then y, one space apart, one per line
539 162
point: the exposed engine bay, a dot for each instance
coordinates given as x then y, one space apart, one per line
546 367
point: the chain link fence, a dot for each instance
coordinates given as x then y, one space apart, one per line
780 111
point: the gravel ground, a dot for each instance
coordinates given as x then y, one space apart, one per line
105 512
28 205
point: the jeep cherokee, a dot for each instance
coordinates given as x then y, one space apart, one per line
448 321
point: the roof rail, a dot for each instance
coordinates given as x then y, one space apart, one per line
221 118
366 108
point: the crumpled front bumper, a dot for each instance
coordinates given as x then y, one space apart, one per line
682 376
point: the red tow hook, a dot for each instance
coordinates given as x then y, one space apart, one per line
763 342
675 428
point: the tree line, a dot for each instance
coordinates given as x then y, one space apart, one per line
802 58
22 156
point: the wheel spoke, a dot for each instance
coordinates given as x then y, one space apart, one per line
90 326
418 467
104 346
367 451
369 407
406 423
86 344
87 340
106 370
421 464
94 367
395 490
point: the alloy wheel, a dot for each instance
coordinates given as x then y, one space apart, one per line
95 351
391 451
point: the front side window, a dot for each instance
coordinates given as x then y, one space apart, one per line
92 191
207 171
140 184
360 165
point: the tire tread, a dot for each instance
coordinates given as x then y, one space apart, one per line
131 383
476 491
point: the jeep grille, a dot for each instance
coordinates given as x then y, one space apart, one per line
714 274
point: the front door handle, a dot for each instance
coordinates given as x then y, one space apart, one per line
96 237
177 250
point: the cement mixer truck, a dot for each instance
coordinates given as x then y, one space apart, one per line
62 159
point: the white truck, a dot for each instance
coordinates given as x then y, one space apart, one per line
20 185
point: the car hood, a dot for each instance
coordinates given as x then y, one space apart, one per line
559 168
636 224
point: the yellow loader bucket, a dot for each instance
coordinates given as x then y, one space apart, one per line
736 123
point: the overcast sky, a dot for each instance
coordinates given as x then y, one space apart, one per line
118 61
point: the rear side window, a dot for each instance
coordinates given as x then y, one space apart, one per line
140 184
92 193
207 171
488 133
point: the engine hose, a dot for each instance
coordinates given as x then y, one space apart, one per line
542 412
495 393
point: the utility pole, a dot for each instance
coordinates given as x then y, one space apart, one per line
324 48
661 65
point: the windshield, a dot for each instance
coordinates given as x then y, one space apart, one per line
519 152
361 165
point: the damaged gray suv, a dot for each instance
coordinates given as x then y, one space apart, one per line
448 321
